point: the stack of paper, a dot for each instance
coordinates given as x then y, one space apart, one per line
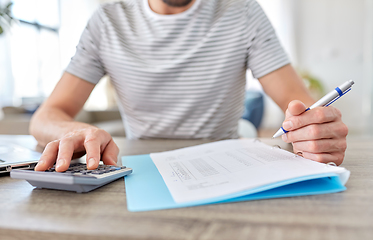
225 171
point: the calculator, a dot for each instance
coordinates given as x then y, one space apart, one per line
76 178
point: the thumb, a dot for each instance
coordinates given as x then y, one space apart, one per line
295 108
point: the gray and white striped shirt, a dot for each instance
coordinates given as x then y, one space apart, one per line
179 75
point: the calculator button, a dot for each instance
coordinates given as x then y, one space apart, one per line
80 169
114 168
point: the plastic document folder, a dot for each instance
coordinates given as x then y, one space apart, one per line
146 188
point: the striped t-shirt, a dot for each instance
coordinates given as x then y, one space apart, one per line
181 75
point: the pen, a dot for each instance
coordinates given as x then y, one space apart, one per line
325 101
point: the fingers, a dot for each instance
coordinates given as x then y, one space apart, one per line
100 146
314 116
48 157
322 150
318 134
295 108
67 147
317 131
320 146
93 148
95 142
336 157
110 155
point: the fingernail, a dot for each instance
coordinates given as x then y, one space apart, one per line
114 162
287 125
40 162
60 163
284 137
91 162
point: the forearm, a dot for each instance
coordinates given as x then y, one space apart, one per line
55 117
49 124
284 85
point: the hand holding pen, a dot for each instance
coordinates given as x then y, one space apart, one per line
319 134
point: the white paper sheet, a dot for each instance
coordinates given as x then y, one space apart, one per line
229 166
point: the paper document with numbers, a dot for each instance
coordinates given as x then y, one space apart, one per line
232 168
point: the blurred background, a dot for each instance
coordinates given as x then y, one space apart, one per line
328 42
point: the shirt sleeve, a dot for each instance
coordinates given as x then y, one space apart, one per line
86 63
265 53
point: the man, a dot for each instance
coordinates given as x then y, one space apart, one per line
179 69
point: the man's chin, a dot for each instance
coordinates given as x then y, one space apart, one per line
177 3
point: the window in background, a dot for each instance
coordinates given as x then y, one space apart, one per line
35 49
38 48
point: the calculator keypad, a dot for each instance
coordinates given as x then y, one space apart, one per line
81 169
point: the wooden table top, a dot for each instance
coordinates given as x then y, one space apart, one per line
28 213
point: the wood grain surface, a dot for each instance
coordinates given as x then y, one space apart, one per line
28 213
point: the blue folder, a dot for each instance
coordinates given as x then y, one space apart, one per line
146 190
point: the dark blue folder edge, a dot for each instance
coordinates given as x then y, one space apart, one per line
146 190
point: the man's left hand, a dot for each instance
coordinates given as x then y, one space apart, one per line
318 134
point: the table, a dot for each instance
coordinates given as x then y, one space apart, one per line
28 213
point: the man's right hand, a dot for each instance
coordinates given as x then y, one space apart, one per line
54 119
96 143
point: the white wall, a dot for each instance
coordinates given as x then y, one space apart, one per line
330 44
368 67
333 40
